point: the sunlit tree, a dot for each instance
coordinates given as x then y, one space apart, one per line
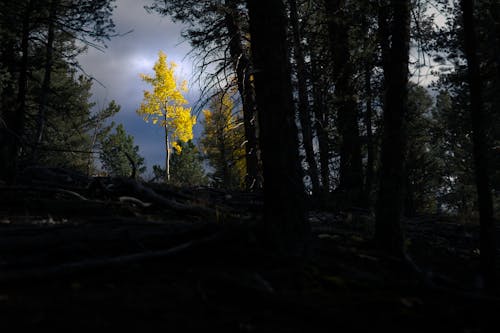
165 105
223 142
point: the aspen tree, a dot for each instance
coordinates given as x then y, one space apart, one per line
165 105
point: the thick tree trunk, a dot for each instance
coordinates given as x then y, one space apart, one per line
304 109
390 196
8 112
45 91
480 149
284 227
351 167
241 63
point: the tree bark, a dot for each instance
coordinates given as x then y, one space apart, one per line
304 109
242 65
370 147
167 153
321 125
480 149
45 90
351 167
284 227
388 232
15 124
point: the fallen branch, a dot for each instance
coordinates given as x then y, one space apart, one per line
90 264
24 188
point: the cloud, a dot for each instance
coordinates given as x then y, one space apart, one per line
118 68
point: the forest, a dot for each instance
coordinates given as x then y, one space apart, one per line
347 174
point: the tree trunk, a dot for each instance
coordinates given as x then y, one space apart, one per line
351 167
388 232
8 112
480 149
167 153
241 63
304 109
15 122
284 228
368 116
321 126
370 147
45 90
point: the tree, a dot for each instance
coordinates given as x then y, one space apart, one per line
165 105
350 171
388 232
423 166
67 141
303 98
480 147
218 32
222 143
187 166
284 227
119 156
25 25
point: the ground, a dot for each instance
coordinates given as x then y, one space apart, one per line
79 264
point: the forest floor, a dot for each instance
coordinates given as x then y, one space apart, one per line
118 255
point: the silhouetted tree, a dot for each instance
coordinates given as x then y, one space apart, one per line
351 171
480 147
284 227
390 195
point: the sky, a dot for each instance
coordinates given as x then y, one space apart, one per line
119 66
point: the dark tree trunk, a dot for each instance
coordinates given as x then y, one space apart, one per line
370 147
45 90
480 149
304 109
14 120
8 113
321 126
241 63
284 227
390 196
351 167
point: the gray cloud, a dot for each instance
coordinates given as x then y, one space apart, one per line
125 57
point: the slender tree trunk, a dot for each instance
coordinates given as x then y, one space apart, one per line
167 153
241 63
351 167
370 147
480 149
304 109
284 227
388 232
368 116
45 91
321 126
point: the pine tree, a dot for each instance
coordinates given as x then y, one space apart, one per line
119 155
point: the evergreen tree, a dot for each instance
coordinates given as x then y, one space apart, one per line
187 166
119 156
284 227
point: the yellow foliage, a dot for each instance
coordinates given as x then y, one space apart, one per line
223 142
165 105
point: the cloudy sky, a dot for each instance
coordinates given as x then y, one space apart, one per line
118 68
